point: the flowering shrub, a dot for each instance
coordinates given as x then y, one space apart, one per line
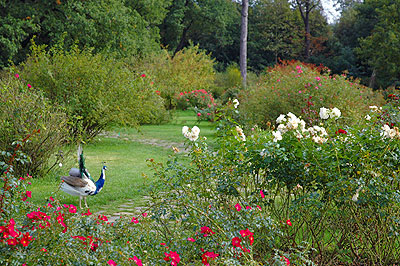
255 199
202 103
303 89
94 90
188 70
25 110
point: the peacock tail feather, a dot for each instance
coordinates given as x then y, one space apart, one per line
82 168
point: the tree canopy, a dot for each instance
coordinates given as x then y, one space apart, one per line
364 41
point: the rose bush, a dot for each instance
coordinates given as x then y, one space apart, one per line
299 194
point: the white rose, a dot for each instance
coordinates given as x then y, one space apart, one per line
282 128
277 135
335 113
193 137
367 117
374 108
303 126
323 113
196 130
185 129
281 119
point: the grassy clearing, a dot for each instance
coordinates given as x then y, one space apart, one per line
171 131
128 175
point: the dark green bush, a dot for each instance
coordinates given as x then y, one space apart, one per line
95 90
25 111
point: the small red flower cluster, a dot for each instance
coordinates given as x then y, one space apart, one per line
93 242
60 220
341 131
201 92
207 231
13 236
87 213
39 216
173 256
136 260
208 255
236 241
28 194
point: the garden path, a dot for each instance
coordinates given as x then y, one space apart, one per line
128 208
151 141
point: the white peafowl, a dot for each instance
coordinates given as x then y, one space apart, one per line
80 183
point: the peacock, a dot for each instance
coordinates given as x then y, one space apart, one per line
80 183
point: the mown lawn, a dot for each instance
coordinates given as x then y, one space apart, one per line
171 131
128 175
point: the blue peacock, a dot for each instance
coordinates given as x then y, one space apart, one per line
80 183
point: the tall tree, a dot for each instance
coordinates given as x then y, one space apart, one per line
116 26
381 49
305 7
275 33
212 24
243 41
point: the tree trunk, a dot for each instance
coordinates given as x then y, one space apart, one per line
243 41
372 80
307 36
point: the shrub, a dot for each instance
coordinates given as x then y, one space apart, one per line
95 90
202 103
25 110
303 195
302 89
226 80
189 69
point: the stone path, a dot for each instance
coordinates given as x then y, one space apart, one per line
126 209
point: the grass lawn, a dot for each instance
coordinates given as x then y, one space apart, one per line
171 131
128 175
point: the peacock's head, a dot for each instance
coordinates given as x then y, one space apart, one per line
104 167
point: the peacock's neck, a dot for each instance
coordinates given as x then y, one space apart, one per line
100 183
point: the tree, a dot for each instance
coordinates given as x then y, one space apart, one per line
274 34
243 41
381 49
112 26
305 7
212 24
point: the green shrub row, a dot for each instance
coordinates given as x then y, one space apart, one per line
94 90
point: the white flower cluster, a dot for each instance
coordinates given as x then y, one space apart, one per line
191 133
292 123
240 133
325 113
375 108
391 133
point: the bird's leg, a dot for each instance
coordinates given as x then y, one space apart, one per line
80 202
85 202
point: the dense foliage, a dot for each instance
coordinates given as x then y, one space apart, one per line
363 41
24 110
301 195
94 90
189 69
111 26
